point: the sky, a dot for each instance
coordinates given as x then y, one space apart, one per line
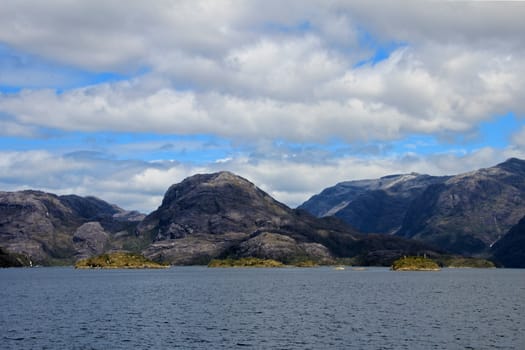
121 99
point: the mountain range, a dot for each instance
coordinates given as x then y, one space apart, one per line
205 216
463 214
223 215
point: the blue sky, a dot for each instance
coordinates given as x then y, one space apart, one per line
121 102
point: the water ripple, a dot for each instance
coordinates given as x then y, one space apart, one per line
199 308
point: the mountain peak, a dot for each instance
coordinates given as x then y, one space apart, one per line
216 203
514 160
513 165
226 177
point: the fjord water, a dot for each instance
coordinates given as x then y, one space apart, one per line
289 308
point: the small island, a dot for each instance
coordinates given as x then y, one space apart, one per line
465 262
415 263
245 262
119 260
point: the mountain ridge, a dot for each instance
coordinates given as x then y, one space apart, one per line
465 213
223 215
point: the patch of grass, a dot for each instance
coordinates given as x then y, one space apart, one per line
118 261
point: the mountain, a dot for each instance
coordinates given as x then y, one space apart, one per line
206 216
463 214
469 212
210 215
371 206
510 250
224 215
51 229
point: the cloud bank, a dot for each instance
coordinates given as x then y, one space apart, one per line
282 83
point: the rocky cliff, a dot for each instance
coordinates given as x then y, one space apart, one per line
51 229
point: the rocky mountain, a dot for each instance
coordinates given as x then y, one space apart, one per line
371 206
464 214
51 229
510 250
224 215
469 212
204 217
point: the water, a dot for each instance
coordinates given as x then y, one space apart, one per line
201 308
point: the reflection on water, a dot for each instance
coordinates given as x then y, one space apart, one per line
291 308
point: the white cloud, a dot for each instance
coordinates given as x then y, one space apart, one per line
313 101
113 35
471 23
11 128
518 138
252 73
141 185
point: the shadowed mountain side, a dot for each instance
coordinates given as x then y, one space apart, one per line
510 250
8 259
371 206
469 212
463 214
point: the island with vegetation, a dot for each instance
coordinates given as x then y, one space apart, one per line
465 262
415 263
258 262
245 262
118 260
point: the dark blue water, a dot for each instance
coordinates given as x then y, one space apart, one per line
201 308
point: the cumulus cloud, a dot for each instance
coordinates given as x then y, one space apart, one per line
248 71
518 138
253 74
316 100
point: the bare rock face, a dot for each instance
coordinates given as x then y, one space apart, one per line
282 248
90 239
36 224
196 249
214 204
51 229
